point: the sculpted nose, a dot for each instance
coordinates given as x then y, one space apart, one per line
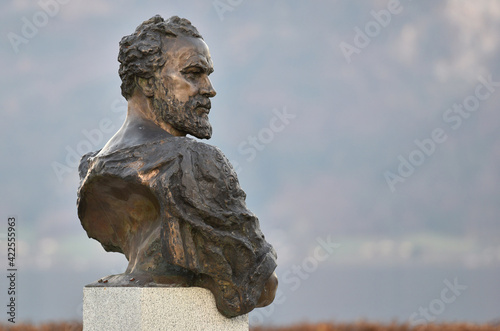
207 89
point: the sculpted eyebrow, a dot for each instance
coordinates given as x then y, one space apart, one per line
203 65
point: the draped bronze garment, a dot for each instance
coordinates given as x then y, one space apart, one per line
175 208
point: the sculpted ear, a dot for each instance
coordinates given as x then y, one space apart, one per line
146 86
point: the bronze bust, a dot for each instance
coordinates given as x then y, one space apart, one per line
172 204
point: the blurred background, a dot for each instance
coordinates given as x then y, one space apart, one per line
365 134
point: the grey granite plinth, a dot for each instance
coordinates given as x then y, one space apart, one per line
155 308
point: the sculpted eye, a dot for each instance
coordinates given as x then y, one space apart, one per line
193 71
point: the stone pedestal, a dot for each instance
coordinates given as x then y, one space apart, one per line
155 308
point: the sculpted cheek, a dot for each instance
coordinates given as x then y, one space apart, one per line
182 89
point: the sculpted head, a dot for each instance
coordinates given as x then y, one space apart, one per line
169 63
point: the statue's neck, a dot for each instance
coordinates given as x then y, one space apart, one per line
141 126
140 108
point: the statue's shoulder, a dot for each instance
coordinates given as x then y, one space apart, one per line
165 156
206 171
201 148
207 154
189 148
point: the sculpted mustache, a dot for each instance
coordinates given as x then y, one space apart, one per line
202 103
194 103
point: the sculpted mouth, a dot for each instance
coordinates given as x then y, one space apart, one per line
204 107
203 110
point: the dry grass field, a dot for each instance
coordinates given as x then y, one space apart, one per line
355 326
367 326
61 326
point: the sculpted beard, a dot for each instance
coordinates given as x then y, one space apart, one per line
182 116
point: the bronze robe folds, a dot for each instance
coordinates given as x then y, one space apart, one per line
175 208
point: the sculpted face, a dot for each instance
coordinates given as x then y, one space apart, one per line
182 88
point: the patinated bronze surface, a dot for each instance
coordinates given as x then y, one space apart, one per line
172 204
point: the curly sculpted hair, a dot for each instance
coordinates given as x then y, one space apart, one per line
140 53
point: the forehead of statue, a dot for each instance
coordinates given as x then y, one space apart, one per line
183 51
